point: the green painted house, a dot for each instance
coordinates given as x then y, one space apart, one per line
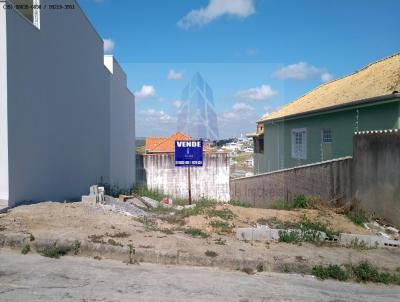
319 126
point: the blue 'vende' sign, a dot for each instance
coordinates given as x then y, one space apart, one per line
189 153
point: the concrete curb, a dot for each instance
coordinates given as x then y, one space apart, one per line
138 255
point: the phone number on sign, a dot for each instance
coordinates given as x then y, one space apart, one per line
39 6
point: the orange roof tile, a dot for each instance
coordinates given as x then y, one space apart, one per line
164 144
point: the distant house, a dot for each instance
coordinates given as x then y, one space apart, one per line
157 171
164 144
320 125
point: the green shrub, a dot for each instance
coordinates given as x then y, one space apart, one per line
331 271
300 202
290 236
26 249
363 272
54 251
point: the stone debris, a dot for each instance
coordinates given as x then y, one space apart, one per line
99 199
150 202
125 208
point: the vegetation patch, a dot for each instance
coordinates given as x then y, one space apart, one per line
118 235
211 254
330 272
224 214
54 251
148 223
306 231
260 267
76 247
26 249
220 241
222 226
363 272
300 202
358 217
238 203
196 233
113 242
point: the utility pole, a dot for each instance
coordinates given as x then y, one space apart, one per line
189 187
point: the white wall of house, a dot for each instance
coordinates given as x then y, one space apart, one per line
3 110
58 106
122 131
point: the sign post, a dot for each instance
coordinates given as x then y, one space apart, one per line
189 154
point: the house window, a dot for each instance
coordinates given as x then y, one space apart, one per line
327 135
30 9
299 143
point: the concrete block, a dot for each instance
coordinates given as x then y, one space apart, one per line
96 195
367 240
262 233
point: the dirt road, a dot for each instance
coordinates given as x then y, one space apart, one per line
35 278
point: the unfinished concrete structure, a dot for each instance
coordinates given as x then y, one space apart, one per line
66 120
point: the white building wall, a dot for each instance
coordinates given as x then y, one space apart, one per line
122 128
3 110
58 106
158 172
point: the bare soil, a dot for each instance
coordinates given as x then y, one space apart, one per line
78 221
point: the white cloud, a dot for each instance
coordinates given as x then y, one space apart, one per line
178 103
239 111
216 9
302 71
109 45
326 77
152 115
175 75
261 93
146 91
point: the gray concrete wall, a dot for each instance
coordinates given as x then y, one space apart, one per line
330 180
122 128
377 173
63 108
3 109
159 173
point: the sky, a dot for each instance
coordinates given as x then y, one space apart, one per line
256 55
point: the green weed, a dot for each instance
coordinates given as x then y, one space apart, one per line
26 249
54 251
358 217
196 233
330 272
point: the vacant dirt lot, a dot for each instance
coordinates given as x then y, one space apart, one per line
192 234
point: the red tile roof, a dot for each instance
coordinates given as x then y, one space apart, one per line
164 144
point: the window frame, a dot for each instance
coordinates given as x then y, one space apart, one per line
327 139
299 143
